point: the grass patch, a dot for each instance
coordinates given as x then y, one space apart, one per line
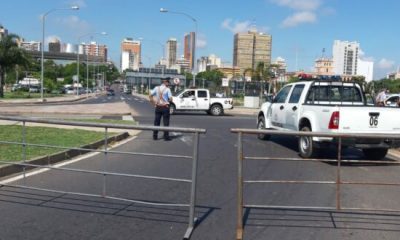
42 135
22 95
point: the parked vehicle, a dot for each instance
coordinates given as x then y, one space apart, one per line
110 92
199 100
329 106
34 89
393 100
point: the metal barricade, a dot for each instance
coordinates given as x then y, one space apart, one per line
193 181
338 181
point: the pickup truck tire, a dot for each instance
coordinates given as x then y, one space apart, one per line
375 153
261 126
216 110
307 148
172 109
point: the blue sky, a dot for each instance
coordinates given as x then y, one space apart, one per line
304 27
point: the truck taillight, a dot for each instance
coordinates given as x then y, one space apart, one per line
334 122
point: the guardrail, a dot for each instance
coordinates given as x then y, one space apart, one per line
106 152
338 181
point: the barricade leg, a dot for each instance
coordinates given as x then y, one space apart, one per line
192 219
338 176
239 227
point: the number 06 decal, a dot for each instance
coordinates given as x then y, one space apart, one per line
373 120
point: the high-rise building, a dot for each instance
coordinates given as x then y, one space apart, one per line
130 54
214 60
345 57
55 46
251 48
3 32
94 49
171 52
31 46
189 49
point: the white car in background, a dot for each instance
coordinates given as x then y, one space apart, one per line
393 100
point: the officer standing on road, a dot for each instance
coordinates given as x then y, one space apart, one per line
160 97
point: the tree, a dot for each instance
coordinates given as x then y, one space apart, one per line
10 56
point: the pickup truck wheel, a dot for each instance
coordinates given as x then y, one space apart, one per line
307 147
172 109
216 110
261 126
375 153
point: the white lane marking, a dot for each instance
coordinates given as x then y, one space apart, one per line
42 170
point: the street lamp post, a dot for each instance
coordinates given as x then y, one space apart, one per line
87 63
163 10
42 48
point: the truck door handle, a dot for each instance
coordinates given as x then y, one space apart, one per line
294 108
205 99
282 107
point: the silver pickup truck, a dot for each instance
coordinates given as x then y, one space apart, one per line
328 107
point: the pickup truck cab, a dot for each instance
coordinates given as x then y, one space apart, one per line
199 100
329 106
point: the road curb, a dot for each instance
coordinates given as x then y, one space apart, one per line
10 169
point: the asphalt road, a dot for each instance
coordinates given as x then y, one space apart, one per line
39 215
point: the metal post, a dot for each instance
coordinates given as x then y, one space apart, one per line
192 219
239 228
338 178
105 161
42 59
24 149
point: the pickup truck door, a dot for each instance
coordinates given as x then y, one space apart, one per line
277 113
188 100
292 108
203 100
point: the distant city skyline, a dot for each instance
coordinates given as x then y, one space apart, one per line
300 28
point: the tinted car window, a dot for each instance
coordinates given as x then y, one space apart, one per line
334 93
296 93
282 95
202 94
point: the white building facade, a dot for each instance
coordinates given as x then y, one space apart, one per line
31 46
345 57
366 69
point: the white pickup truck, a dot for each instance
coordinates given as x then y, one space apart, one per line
329 106
199 100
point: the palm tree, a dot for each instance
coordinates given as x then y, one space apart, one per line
10 56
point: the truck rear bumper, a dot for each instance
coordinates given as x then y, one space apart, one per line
364 143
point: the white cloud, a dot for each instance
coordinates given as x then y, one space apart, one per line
299 18
239 27
305 11
386 64
201 41
75 24
299 5
80 3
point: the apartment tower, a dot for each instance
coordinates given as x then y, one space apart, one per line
189 49
345 57
131 51
171 52
251 48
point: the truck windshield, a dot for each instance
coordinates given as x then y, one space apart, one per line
334 94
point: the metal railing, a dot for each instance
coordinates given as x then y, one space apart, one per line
104 173
338 181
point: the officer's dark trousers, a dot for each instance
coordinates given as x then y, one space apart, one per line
161 112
